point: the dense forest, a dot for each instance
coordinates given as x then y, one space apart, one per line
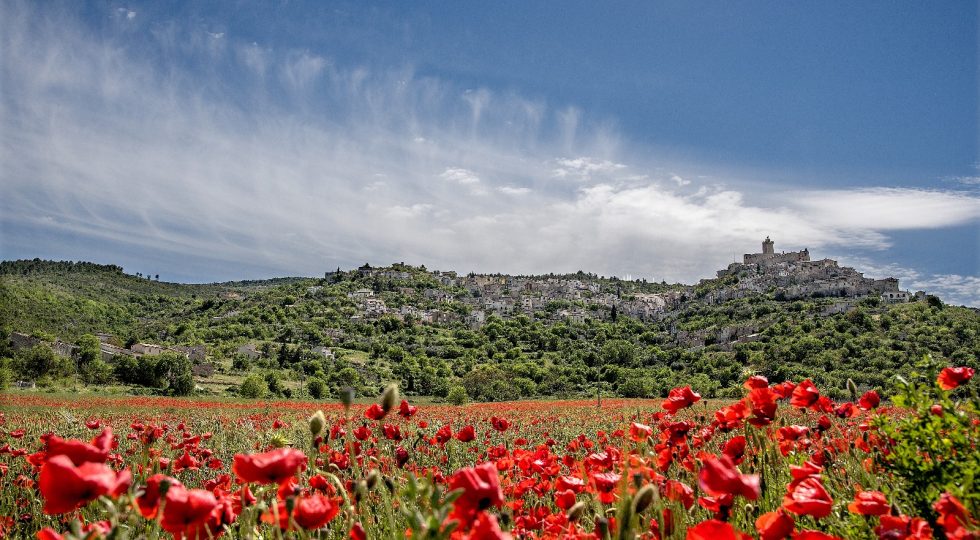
304 337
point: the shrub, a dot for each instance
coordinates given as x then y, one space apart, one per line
457 395
317 388
253 387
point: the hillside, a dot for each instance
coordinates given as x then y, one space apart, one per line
499 337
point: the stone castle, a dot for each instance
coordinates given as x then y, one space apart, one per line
793 275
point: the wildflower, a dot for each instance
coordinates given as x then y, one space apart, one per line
808 498
271 467
720 477
66 487
406 410
148 502
869 503
375 412
680 398
481 490
713 529
774 525
951 377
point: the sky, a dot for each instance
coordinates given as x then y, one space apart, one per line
212 141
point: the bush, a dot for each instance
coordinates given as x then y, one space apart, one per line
97 372
457 396
317 388
253 387
635 387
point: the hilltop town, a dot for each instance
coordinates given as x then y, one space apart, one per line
472 298
498 336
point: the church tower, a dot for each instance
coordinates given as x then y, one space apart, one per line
767 247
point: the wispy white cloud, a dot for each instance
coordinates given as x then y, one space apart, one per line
287 160
460 176
513 190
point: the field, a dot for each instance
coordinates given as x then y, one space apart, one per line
782 462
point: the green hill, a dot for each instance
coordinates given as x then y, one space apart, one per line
303 335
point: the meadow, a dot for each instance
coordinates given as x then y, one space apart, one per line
784 461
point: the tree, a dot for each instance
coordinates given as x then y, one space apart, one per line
89 349
253 387
174 373
97 372
457 395
317 388
36 361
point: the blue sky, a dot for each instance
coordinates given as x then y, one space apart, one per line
214 141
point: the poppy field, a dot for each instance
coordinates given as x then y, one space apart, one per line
785 461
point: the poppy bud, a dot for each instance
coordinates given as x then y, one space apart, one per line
373 478
853 389
389 397
602 527
637 480
317 423
575 512
644 497
360 490
390 484
347 397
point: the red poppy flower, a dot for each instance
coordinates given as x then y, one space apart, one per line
357 532
375 412
190 513
953 516
66 487
407 410
869 400
481 490
805 395
734 449
678 491
951 377
756 381
487 528
570 482
605 484
272 467
774 525
401 456
720 477
869 503
713 529
392 432
499 424
680 398
310 512
764 406
81 452
565 499
149 502
48 533
903 528
814 535
808 498
186 461
640 432
444 434
466 434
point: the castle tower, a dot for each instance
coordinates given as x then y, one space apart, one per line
767 247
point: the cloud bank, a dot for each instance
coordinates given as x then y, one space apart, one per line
292 162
